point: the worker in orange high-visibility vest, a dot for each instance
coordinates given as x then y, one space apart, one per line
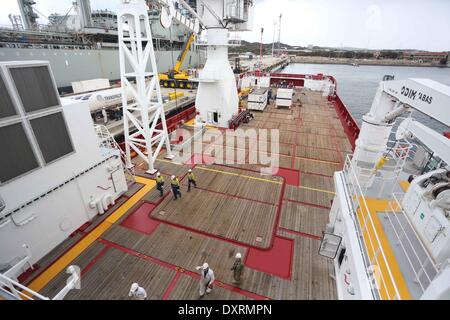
191 180
175 184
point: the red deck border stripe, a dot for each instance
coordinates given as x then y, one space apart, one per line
171 286
308 204
302 234
95 260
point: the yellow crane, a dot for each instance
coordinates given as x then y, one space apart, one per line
176 78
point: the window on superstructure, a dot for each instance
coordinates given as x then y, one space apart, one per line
35 88
52 136
17 155
6 105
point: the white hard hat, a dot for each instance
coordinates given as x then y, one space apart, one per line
158 174
238 256
134 287
205 266
190 170
173 177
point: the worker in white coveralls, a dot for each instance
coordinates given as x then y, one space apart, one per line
137 292
206 279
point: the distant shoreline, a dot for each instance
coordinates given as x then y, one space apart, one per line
362 62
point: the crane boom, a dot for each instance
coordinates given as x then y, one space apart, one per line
427 96
392 99
183 53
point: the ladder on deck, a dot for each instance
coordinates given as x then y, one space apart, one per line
107 141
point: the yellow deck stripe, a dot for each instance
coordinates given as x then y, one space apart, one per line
317 160
386 290
238 175
318 190
63 262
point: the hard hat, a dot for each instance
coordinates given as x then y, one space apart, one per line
134 287
205 266
190 170
173 177
158 174
238 256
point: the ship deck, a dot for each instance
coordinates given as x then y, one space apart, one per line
276 222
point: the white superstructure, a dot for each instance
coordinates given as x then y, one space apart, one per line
57 172
389 226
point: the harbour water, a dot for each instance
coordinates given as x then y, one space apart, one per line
357 85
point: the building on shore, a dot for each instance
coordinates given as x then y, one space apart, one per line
427 57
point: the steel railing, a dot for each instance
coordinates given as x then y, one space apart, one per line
427 262
19 291
358 201
107 142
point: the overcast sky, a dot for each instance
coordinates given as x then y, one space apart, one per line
374 24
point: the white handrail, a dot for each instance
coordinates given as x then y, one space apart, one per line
424 249
358 194
24 292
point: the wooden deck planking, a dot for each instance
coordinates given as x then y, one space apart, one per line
111 278
241 186
317 182
225 216
318 154
309 196
317 167
303 218
58 283
187 288
188 250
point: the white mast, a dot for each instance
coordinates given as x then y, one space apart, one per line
135 52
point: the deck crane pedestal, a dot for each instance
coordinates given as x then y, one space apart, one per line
217 96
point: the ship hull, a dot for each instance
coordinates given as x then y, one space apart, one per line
70 65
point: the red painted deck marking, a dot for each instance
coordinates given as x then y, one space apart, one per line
28 273
291 176
302 234
308 204
140 221
95 260
277 261
171 286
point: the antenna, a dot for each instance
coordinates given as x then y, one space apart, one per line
279 32
274 35
261 50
